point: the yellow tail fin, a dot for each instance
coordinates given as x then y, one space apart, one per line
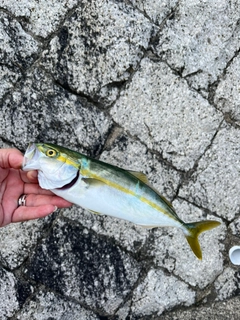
194 230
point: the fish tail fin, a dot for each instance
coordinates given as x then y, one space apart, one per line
194 229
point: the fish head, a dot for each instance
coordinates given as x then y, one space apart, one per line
56 166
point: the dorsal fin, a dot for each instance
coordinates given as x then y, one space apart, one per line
141 176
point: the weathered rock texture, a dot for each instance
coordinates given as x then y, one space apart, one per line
150 86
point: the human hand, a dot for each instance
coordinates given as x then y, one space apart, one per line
14 182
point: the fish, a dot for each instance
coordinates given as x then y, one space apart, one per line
106 189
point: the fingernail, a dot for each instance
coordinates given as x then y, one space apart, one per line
55 209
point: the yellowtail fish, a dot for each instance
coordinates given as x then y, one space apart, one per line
105 189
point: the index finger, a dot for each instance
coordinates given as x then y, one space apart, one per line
10 158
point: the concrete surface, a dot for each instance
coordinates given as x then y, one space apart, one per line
150 86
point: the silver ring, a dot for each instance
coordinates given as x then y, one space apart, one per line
22 200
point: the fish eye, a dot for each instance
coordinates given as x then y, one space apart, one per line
51 153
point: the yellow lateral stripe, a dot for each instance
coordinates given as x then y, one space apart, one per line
87 173
68 161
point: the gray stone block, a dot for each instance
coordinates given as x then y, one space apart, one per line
84 266
175 121
49 305
215 183
18 51
97 48
39 17
200 40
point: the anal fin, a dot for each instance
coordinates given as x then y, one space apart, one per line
95 212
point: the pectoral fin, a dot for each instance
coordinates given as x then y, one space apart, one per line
146 227
94 182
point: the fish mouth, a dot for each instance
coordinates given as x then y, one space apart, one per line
70 184
30 158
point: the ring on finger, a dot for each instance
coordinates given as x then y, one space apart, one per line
22 200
